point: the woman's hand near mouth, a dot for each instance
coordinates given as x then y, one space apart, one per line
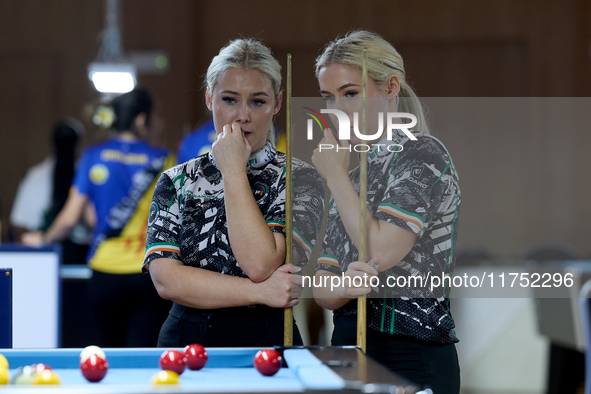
231 150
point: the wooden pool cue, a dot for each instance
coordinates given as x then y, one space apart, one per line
288 313
362 301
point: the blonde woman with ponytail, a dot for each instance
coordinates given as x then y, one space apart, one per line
412 215
216 238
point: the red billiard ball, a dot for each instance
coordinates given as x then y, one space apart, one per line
94 368
173 360
196 356
267 362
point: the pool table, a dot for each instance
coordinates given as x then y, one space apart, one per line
229 370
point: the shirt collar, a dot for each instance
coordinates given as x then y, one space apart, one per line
256 160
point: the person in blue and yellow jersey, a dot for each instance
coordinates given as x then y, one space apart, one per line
112 190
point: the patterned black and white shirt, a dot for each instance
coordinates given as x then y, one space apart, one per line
417 189
188 218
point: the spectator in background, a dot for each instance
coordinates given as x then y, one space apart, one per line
118 177
44 191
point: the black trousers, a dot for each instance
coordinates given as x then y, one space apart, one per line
128 309
259 326
426 364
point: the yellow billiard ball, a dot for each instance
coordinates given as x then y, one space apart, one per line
4 376
3 362
46 377
165 377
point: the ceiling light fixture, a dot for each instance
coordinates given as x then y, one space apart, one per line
112 72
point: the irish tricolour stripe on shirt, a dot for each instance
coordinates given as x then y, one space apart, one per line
415 222
272 223
162 247
328 259
302 241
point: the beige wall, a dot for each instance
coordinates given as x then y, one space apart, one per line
459 48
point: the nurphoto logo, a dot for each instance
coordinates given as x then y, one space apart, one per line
344 128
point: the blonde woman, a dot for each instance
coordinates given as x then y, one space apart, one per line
216 237
412 217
